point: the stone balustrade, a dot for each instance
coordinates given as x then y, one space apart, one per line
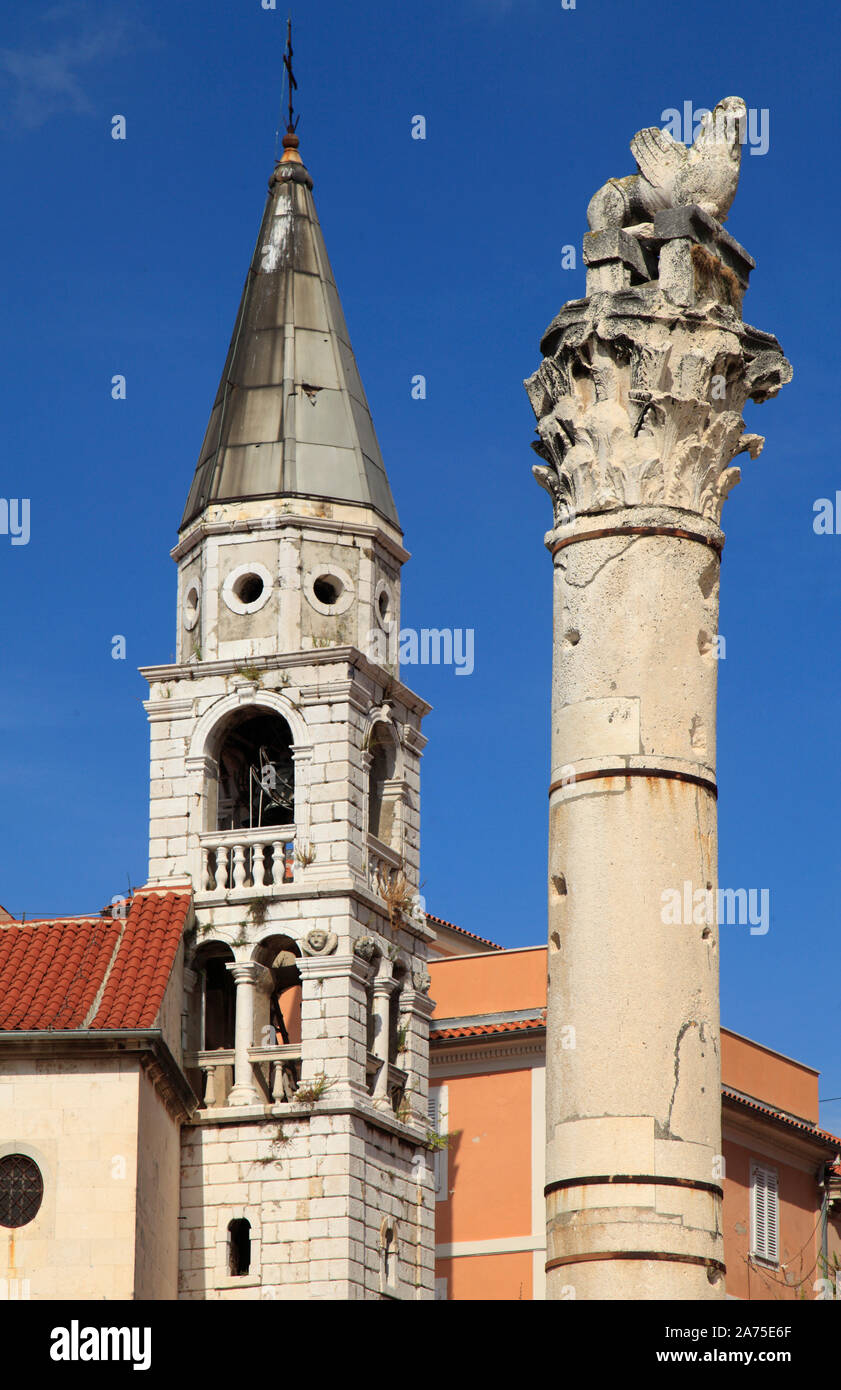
277 1071
248 860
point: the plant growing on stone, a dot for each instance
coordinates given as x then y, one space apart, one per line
311 1091
258 911
279 1141
435 1141
396 892
305 853
249 673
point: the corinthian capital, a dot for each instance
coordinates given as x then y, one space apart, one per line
640 394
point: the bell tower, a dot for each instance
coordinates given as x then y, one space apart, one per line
285 757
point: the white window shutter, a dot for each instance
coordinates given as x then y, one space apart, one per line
432 1111
436 1114
765 1213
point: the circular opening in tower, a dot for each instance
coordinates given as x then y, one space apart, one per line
383 604
327 589
248 588
191 607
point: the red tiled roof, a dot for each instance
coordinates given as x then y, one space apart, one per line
484 1029
136 983
52 972
472 935
822 1135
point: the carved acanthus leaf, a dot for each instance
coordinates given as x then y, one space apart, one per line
646 408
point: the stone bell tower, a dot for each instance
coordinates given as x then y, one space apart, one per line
639 403
285 758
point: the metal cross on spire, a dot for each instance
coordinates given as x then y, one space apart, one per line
293 86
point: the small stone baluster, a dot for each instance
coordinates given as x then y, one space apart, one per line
239 866
209 1086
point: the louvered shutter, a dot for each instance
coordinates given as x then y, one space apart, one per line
435 1115
765 1213
433 1111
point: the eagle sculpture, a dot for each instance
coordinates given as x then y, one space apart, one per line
672 175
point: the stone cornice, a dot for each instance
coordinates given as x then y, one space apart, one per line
488 1048
318 657
264 525
147 1044
378 1119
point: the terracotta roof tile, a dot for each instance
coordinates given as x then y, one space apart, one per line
461 931
51 972
138 978
483 1030
823 1135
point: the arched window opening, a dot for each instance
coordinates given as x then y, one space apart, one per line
380 805
220 994
281 954
256 774
239 1246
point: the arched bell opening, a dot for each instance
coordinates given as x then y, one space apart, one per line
255 785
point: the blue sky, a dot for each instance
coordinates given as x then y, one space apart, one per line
128 257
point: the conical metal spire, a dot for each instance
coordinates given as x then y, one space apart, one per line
290 416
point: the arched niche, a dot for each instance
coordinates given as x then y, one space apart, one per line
384 787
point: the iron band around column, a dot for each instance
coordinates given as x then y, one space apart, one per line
714 543
674 775
649 1180
705 1260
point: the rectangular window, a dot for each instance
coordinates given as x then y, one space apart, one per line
764 1213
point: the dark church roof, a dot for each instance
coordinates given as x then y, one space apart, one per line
290 416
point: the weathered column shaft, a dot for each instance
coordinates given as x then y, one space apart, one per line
632 1061
638 401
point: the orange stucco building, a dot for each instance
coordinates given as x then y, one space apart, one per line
780 1172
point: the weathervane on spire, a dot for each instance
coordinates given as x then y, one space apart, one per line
293 86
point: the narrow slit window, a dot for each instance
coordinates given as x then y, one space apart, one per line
239 1247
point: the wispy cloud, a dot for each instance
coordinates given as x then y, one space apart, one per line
46 76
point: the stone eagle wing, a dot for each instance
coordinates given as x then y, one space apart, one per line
659 157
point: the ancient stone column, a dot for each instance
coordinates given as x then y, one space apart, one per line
639 404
